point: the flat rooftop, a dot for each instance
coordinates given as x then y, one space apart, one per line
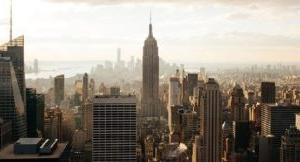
7 153
119 99
29 141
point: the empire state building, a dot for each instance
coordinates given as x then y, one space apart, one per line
150 99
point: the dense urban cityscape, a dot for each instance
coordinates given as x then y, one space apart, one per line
147 110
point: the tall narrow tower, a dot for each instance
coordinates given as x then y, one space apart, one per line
150 97
211 123
85 87
10 22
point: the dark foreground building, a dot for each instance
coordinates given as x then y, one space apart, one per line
275 120
35 150
35 112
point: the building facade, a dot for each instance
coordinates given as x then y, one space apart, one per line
11 103
14 49
237 104
59 89
85 87
211 123
275 119
150 88
290 145
268 92
114 129
35 112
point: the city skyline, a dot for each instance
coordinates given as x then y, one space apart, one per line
206 31
205 81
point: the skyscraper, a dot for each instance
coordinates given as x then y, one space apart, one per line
115 91
36 66
35 112
211 122
237 103
150 98
174 91
91 88
85 87
53 124
87 116
14 49
290 145
5 132
275 119
114 129
11 103
174 99
268 92
192 80
59 89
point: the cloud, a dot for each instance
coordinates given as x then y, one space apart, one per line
252 39
238 16
226 2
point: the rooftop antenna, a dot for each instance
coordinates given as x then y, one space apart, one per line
150 16
10 23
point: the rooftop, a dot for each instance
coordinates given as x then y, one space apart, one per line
7 153
17 42
29 141
115 99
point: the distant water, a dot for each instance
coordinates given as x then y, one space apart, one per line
68 68
72 68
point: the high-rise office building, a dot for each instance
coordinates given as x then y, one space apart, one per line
5 132
275 119
91 88
202 73
211 122
174 124
11 103
59 89
115 91
53 124
40 102
298 121
242 135
31 112
85 87
174 100
34 112
237 104
266 151
87 116
192 81
189 125
196 149
290 145
268 92
14 49
174 91
150 98
36 66
114 129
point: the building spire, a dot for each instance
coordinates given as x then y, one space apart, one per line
150 16
150 25
11 22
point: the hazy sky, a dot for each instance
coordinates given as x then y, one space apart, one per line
186 30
